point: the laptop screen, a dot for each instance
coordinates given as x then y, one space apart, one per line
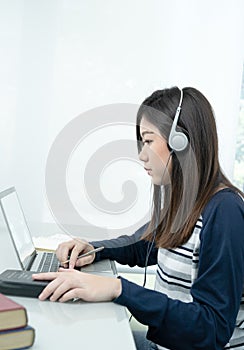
17 226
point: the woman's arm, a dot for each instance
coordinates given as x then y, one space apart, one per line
208 321
130 250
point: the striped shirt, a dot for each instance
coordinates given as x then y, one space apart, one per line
199 284
176 272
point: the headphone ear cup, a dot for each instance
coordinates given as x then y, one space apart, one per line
177 141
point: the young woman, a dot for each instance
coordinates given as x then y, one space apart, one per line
195 236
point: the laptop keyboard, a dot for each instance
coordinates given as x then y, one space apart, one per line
49 262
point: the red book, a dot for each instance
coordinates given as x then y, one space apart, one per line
12 314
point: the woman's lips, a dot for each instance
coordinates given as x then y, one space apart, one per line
149 171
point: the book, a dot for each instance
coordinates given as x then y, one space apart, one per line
20 283
12 314
18 338
50 243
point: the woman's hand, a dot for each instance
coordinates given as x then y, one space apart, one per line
71 249
68 284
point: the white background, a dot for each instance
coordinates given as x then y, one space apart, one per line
60 58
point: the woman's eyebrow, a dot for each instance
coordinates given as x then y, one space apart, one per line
146 132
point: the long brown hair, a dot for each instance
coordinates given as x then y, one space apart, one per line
196 173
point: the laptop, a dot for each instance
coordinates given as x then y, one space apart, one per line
30 259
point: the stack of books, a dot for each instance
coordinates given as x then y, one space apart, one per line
14 331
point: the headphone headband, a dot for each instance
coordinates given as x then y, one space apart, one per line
177 139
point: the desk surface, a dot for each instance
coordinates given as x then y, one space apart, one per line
71 325
78 325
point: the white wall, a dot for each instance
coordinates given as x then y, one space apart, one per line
61 58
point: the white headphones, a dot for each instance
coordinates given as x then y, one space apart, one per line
177 139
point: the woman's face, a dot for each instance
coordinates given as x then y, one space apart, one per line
155 153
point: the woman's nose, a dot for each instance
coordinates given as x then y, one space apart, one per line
143 155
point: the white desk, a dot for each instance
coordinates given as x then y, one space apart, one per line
77 325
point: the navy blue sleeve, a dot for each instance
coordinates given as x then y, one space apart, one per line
209 320
130 250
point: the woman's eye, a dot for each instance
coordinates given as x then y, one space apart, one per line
147 142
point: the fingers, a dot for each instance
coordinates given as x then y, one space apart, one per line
56 290
68 284
48 276
79 249
61 269
87 260
45 276
71 250
49 291
63 250
74 254
71 294
60 283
